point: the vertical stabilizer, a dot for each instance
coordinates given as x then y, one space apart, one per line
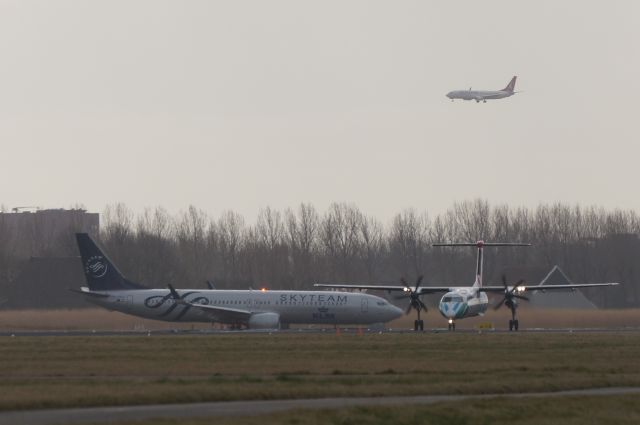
512 85
99 270
480 245
478 282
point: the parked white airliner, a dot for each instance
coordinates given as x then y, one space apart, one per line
460 302
255 309
484 95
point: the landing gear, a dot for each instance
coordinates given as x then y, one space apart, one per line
418 325
415 302
513 323
510 300
452 325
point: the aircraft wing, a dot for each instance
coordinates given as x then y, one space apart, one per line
221 314
549 287
421 290
218 314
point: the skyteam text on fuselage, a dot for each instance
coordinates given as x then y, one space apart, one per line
255 309
484 95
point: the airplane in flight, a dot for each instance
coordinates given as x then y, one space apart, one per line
459 302
253 309
484 95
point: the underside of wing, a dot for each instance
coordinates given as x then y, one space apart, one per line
421 290
572 286
221 314
548 287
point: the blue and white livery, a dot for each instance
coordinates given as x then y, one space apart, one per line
253 309
460 302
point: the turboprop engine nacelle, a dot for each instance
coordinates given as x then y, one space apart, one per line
264 321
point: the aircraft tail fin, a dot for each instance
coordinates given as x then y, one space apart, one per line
512 85
99 270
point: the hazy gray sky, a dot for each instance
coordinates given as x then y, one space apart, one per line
243 104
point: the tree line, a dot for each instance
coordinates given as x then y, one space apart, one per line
297 247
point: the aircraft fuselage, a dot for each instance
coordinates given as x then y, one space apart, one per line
309 307
478 95
463 302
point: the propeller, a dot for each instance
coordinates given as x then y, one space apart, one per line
414 297
510 294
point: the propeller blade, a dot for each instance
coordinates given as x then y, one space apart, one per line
521 297
504 281
418 282
408 310
497 306
403 281
415 302
423 305
401 297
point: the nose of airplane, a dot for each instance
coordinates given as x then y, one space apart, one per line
448 95
447 310
395 312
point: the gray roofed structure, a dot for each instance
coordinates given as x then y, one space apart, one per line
571 299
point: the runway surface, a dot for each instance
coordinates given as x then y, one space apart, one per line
251 408
329 331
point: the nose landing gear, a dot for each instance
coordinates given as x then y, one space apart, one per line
452 325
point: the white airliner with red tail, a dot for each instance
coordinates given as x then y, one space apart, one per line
484 95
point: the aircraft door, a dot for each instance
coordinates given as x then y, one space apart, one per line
365 305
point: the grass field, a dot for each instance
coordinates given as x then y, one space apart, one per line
39 372
606 410
101 319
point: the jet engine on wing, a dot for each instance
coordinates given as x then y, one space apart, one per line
264 321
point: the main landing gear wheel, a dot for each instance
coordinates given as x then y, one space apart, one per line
414 302
510 300
513 325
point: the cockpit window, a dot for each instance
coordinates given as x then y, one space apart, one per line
382 303
452 299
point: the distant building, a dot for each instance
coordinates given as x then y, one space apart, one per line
533 276
49 223
38 262
43 232
572 299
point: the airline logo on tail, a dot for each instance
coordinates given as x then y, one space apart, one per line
96 266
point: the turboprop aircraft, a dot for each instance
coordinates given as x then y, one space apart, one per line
254 309
484 95
460 302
